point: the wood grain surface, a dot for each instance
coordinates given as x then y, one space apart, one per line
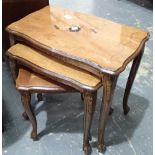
100 43
30 81
55 66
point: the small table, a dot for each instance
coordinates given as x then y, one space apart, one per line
29 82
95 44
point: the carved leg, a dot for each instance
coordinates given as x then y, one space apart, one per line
130 81
26 98
89 108
109 84
40 97
89 136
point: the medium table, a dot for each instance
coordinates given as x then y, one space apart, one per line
97 45
79 79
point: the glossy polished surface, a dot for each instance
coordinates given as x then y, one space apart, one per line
133 128
27 80
99 41
64 70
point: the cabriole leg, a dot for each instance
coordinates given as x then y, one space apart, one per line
133 71
109 84
26 99
40 98
89 108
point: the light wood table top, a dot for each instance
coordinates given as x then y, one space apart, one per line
54 67
31 81
100 43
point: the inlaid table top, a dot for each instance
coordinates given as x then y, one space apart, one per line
54 67
99 43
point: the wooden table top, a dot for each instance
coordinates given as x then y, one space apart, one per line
30 81
56 69
100 43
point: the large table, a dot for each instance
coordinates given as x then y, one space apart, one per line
97 45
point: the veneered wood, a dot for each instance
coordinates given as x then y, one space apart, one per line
102 44
56 68
30 81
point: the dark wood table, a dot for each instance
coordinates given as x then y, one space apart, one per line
97 45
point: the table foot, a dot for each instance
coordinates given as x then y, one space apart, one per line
34 136
87 149
126 110
101 148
